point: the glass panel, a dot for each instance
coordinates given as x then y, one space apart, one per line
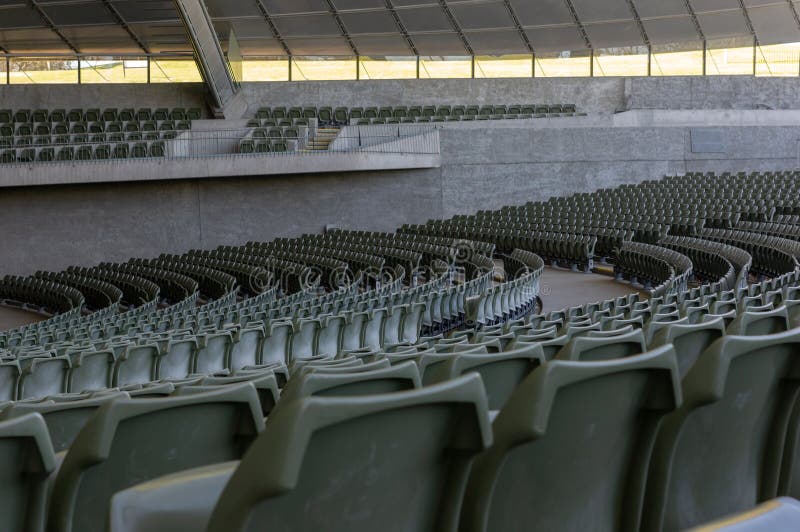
729 57
445 67
622 61
563 64
174 70
323 68
504 66
265 69
109 69
3 71
778 60
388 68
676 60
44 70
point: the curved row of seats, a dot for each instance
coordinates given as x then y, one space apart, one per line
361 369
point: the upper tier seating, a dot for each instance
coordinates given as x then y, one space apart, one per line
409 114
44 135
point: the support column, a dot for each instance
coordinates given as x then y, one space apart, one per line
211 60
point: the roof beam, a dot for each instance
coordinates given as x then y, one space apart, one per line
696 22
518 25
125 26
401 27
335 13
747 21
585 36
272 28
794 12
49 23
456 26
639 24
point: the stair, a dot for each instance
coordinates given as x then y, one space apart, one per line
323 138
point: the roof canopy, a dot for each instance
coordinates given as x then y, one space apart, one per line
394 27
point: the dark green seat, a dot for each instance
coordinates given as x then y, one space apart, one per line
689 340
121 151
419 445
65 154
571 445
64 419
295 112
129 441
588 349
501 373
102 151
757 323
26 460
46 155
720 452
265 383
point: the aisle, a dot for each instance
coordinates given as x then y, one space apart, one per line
564 288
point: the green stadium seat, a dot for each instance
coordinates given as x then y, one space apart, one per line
690 340
723 445
758 323
26 460
551 467
121 150
588 349
284 471
129 441
43 376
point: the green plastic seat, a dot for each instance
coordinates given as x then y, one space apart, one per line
43 376
758 323
129 441
26 460
585 348
724 444
420 445
136 365
349 381
690 340
265 383
213 352
501 373
91 371
571 445
177 360
64 419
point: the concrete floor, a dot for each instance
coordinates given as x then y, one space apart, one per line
564 288
11 318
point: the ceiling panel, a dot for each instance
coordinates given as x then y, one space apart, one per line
671 30
439 44
497 42
369 22
614 34
482 16
425 19
556 39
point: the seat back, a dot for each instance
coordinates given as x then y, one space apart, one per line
351 381
758 323
64 419
91 371
419 446
689 340
26 459
571 445
586 348
723 446
129 441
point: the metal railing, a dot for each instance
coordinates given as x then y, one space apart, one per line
245 142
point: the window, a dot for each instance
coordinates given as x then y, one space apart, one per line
387 67
729 57
323 68
778 60
109 69
676 60
265 69
44 70
563 64
445 67
174 70
622 61
504 66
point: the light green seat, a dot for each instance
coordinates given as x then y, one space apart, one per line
420 445
26 459
571 445
43 376
91 371
720 452
129 441
136 365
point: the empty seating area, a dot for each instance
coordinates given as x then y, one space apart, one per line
408 380
43 135
342 116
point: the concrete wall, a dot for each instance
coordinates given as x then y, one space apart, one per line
52 227
103 95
